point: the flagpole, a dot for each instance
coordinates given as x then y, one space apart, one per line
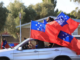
20 26
30 30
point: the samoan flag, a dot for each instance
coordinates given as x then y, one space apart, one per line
4 45
65 36
11 45
43 32
69 41
64 20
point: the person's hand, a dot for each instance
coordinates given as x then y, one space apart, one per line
29 42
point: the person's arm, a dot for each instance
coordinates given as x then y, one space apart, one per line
32 45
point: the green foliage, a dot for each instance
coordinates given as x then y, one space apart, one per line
51 1
13 16
15 8
78 14
11 26
75 13
76 1
30 14
43 9
3 15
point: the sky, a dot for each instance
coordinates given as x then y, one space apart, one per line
64 5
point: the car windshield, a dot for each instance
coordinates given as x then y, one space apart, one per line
21 43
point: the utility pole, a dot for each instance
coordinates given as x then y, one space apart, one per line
20 26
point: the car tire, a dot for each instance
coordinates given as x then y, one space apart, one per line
4 59
62 58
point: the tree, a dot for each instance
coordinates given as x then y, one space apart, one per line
76 1
78 14
44 9
13 16
75 13
3 15
11 26
30 14
51 1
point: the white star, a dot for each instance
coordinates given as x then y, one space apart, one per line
63 21
37 28
58 21
36 24
65 15
40 25
67 36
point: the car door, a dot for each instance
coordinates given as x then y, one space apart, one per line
25 54
48 53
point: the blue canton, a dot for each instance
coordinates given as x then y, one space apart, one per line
61 21
38 26
66 17
65 36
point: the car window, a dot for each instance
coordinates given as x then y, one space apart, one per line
47 45
41 44
27 45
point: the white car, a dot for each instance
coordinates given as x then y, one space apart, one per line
55 53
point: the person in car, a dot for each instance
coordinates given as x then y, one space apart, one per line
49 19
39 44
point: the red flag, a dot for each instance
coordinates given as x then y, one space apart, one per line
69 41
44 32
6 45
72 24
64 28
67 20
15 44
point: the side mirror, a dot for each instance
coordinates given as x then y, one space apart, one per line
20 49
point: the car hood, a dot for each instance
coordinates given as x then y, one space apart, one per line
5 51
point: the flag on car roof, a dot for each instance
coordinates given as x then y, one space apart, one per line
44 32
62 25
65 19
58 31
